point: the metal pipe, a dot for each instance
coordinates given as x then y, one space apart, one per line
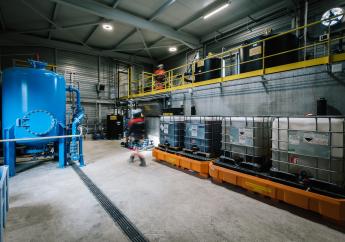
305 28
78 115
41 138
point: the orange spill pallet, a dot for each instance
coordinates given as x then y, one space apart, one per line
328 207
183 162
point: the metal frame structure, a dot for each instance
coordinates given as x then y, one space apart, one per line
281 153
259 130
177 79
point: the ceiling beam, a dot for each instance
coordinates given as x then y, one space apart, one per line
131 47
53 18
144 42
65 27
155 15
201 13
14 39
271 10
2 22
114 5
193 18
161 9
39 13
107 12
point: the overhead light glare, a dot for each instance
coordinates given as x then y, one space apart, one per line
216 10
332 16
172 49
107 27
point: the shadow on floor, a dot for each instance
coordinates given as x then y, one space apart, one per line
312 216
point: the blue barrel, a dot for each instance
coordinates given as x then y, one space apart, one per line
33 103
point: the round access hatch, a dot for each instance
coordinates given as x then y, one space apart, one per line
39 122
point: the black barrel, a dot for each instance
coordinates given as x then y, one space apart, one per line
208 69
251 53
321 106
114 126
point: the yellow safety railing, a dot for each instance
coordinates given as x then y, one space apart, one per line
177 78
24 63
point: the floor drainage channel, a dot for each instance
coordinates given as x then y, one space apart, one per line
118 217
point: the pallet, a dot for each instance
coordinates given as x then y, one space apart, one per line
170 148
198 153
182 162
329 207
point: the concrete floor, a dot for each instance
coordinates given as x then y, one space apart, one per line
50 204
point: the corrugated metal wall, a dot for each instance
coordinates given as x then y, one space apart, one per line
86 71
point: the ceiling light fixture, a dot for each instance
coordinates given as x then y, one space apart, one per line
216 10
107 27
172 49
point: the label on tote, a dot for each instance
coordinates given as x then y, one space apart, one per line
241 136
194 131
309 143
166 129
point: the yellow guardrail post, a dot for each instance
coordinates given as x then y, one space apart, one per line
166 81
263 56
170 80
182 78
152 83
129 82
329 44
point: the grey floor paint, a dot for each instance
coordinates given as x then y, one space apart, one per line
50 204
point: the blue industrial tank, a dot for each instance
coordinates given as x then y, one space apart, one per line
34 115
33 103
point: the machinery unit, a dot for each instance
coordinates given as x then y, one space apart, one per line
309 150
203 134
208 69
172 130
114 126
246 142
34 115
253 51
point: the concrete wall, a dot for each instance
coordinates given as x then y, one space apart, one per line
287 93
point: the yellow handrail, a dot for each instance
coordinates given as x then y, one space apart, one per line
174 81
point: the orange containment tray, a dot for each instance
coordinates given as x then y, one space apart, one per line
329 207
183 162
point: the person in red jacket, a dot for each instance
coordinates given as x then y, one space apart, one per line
160 77
136 131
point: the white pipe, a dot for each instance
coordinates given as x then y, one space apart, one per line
41 138
305 28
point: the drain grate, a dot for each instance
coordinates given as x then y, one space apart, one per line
118 217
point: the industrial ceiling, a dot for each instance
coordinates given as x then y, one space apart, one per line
143 30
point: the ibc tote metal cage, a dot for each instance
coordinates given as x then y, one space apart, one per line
203 135
246 141
310 150
172 130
